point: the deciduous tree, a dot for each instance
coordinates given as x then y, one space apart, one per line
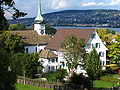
6 5
74 49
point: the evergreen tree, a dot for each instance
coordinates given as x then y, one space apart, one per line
92 65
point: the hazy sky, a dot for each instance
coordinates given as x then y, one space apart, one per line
30 6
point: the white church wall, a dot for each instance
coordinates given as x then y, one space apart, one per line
34 48
39 28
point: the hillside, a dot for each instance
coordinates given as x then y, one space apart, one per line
109 18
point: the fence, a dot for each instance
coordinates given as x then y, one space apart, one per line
44 84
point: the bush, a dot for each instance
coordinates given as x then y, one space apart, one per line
59 75
80 80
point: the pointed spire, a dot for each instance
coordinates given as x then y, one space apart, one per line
39 17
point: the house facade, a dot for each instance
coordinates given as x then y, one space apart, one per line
51 55
91 38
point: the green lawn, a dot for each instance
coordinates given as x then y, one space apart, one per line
29 87
104 84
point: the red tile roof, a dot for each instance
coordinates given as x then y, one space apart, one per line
62 33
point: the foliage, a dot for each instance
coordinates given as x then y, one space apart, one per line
11 43
3 21
17 27
6 5
105 35
114 50
80 80
58 75
50 30
24 63
7 78
74 51
92 65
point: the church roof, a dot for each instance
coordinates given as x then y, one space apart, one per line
62 33
47 54
30 37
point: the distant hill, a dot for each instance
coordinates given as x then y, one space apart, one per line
77 18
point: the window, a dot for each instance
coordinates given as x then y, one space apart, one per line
56 67
92 45
36 49
26 50
63 64
49 61
56 59
97 45
101 54
102 62
53 68
92 36
49 68
89 45
52 60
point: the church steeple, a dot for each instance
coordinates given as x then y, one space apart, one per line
39 24
39 18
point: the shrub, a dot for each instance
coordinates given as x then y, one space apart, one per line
59 75
80 80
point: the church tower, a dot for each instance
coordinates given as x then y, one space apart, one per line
39 24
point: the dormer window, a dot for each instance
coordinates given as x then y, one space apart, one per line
92 36
88 45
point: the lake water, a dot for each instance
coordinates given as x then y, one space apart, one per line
116 29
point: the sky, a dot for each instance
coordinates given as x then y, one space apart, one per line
48 6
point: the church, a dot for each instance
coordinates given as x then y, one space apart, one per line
51 55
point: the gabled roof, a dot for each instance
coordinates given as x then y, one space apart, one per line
30 37
47 54
62 33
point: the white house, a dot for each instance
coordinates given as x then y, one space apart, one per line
90 36
51 56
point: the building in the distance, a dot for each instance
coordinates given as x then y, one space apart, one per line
51 56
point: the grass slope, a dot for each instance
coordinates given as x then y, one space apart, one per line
104 84
29 87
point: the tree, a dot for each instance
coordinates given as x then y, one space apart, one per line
58 75
24 64
50 30
6 5
11 43
74 48
7 78
114 50
17 27
79 80
92 65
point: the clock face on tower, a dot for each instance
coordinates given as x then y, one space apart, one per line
42 31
